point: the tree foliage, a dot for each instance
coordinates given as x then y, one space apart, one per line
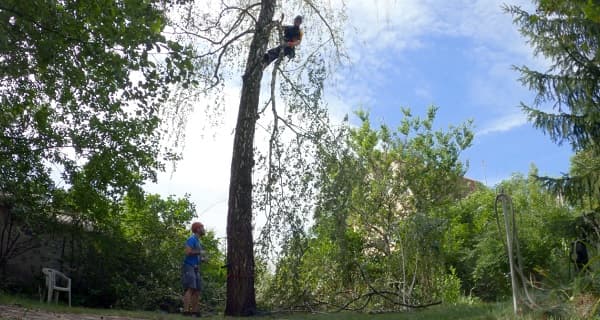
135 263
473 242
226 32
377 231
82 88
81 84
567 33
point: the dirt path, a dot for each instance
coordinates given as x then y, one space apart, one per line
16 312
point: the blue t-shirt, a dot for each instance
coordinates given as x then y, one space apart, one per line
194 243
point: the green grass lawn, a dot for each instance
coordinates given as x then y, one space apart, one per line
474 311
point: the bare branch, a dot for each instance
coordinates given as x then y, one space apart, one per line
220 58
329 28
246 10
303 98
384 294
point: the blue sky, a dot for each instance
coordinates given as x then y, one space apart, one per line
448 74
455 54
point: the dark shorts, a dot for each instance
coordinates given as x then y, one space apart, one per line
273 54
190 277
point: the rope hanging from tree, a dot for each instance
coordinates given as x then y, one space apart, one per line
511 243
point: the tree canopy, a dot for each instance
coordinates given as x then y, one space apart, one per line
231 38
379 220
81 84
567 34
81 88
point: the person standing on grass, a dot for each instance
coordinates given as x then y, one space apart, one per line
191 280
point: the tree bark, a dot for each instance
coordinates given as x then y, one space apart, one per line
241 299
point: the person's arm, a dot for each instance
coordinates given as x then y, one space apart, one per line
191 252
190 244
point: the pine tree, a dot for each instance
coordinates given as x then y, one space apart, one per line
566 33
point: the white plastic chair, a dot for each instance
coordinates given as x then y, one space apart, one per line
53 278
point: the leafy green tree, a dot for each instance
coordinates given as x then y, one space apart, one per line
378 221
81 84
470 222
473 241
231 38
567 33
136 263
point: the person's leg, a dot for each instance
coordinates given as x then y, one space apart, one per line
196 293
188 301
195 302
189 281
289 52
271 55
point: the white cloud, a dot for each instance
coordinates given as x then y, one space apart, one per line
425 94
399 24
504 123
390 27
377 36
382 24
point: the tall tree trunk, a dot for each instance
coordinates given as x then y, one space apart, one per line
241 299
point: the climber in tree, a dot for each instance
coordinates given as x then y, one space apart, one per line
292 35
